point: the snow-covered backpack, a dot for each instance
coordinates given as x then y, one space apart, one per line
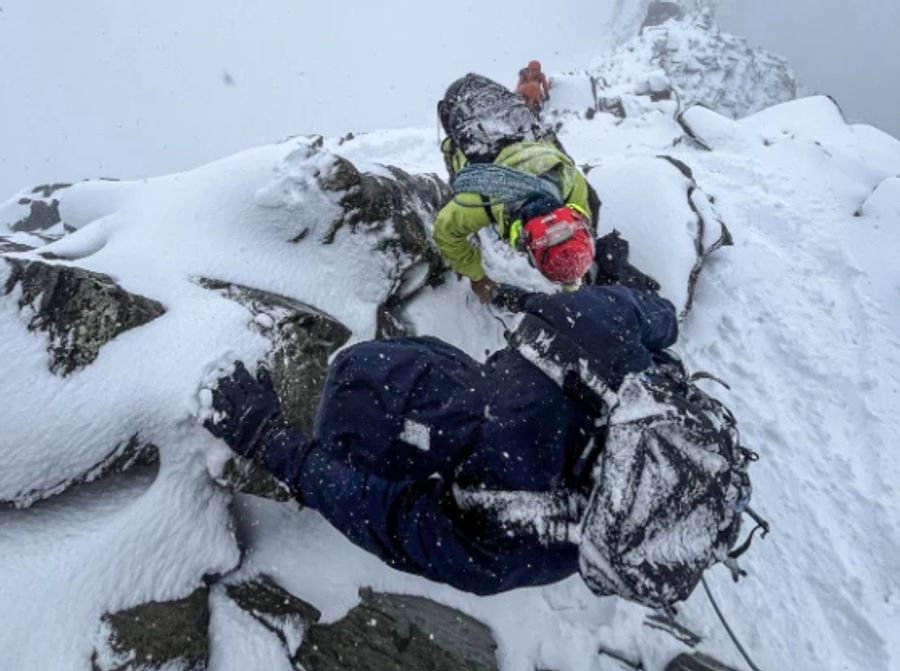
670 488
482 117
669 484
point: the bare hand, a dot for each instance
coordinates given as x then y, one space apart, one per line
485 289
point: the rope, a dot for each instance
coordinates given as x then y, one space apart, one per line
734 638
503 185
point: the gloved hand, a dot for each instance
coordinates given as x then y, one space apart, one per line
246 408
485 289
510 297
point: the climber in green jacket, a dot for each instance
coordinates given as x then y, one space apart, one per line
548 218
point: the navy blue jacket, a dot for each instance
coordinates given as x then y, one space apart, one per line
403 421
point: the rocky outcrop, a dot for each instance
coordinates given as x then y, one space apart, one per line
8 245
696 662
303 338
394 632
276 609
79 310
43 209
170 635
711 232
388 632
399 207
248 477
690 60
660 12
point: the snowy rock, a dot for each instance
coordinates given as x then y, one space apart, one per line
10 245
399 205
884 203
79 310
168 636
303 338
660 12
245 476
131 453
696 61
401 633
710 130
279 611
673 233
696 662
37 210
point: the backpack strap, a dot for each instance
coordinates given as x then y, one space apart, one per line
486 204
565 362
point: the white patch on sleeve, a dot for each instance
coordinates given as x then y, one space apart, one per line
416 434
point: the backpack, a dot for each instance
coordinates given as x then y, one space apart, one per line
669 480
670 487
482 117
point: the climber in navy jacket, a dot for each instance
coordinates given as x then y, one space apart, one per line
467 474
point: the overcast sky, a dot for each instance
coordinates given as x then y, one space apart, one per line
130 89
848 48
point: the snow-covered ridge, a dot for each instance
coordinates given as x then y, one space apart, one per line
799 315
684 60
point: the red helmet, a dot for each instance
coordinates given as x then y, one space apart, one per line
534 65
560 245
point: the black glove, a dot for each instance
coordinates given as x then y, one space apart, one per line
613 266
249 408
510 297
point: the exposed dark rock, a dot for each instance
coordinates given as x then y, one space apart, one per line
79 309
157 635
47 190
611 105
129 454
708 224
660 12
624 661
277 610
245 476
696 662
673 628
393 632
690 132
303 339
680 165
7 245
43 215
399 204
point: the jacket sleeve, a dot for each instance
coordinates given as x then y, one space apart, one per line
657 318
452 228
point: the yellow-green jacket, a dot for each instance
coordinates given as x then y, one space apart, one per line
465 214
